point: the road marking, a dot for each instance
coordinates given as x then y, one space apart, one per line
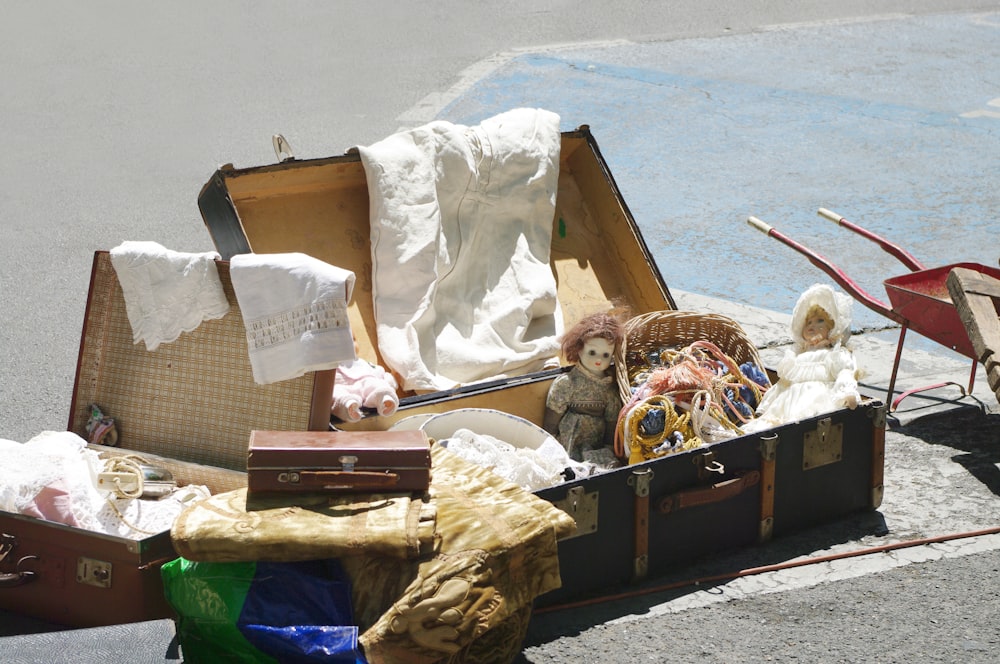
431 106
983 113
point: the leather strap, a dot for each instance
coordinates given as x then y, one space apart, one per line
341 479
708 495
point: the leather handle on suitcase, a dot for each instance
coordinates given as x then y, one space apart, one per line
343 479
714 493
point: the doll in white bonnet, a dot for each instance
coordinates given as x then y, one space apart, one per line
818 374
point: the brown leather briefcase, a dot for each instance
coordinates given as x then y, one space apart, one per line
284 462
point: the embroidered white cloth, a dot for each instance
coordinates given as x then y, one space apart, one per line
167 292
461 230
294 309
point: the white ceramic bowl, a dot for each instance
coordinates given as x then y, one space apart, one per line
512 429
411 423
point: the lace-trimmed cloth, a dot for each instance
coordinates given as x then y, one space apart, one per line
167 292
294 309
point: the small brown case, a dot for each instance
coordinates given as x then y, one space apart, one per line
283 462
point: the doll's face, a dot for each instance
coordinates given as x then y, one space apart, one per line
816 331
596 354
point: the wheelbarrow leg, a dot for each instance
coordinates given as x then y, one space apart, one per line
895 368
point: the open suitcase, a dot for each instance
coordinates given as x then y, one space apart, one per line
634 521
189 407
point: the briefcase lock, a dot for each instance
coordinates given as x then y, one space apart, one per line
347 462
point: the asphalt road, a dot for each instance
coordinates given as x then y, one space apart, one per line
116 113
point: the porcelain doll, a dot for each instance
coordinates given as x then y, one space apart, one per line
818 374
360 384
582 406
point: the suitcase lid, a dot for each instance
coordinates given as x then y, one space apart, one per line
193 399
321 207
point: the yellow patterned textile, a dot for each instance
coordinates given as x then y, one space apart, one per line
307 527
497 553
467 599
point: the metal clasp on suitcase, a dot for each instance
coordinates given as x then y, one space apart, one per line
282 150
706 465
823 446
582 507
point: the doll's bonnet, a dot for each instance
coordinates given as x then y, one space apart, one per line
837 305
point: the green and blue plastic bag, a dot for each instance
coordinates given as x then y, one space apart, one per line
263 612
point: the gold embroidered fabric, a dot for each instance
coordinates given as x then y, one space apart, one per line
466 599
224 528
497 553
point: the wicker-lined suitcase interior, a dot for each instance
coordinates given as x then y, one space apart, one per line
194 399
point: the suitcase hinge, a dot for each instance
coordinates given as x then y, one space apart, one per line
582 507
823 446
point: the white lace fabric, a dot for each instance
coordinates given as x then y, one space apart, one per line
167 292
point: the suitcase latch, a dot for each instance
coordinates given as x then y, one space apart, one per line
93 572
582 507
282 149
347 463
823 446
706 464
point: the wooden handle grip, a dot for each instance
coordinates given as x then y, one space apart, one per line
759 225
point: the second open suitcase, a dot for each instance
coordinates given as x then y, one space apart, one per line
189 407
634 521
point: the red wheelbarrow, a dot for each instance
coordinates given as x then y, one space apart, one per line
919 299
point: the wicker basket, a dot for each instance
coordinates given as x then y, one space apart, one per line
677 329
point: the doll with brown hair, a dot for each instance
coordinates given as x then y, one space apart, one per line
582 406
818 374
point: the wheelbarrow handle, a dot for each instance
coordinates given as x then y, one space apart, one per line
760 225
837 274
902 255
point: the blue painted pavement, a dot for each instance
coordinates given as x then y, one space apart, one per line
895 124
